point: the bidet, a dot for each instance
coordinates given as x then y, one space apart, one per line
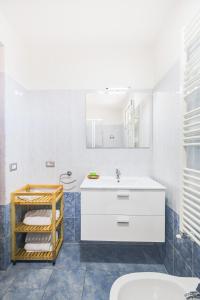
154 286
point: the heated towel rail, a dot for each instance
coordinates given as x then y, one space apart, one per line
190 206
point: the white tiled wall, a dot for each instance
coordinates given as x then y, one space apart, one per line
50 125
2 138
17 135
167 135
57 131
2 123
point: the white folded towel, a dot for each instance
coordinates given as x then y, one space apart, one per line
36 242
43 190
39 238
39 217
34 247
31 198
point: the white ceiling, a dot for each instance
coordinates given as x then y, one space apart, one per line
107 101
87 21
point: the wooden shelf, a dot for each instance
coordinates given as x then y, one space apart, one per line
21 227
22 254
42 195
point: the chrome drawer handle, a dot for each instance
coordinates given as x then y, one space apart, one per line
123 195
123 220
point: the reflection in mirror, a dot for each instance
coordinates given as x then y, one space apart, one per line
119 118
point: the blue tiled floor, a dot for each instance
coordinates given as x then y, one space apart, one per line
82 272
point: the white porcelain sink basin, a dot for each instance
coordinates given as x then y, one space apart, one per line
152 286
109 182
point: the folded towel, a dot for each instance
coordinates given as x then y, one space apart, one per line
34 247
43 190
31 198
39 217
37 242
39 238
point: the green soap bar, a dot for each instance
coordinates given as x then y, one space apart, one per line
93 173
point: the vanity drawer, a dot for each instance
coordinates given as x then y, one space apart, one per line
123 202
123 228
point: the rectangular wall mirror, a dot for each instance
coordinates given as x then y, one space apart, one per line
119 118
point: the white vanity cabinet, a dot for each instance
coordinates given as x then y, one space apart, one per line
131 215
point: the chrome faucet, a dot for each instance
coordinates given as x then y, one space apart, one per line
118 174
192 295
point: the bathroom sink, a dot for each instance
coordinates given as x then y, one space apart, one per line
109 182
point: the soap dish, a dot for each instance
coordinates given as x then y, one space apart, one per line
93 176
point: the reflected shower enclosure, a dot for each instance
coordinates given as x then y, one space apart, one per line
119 118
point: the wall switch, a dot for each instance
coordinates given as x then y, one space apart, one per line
50 164
13 167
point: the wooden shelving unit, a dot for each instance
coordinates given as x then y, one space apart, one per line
48 195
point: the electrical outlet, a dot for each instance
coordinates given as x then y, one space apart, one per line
50 164
13 167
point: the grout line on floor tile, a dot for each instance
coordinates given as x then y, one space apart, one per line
83 283
47 284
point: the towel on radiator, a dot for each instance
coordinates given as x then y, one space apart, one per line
36 242
39 217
